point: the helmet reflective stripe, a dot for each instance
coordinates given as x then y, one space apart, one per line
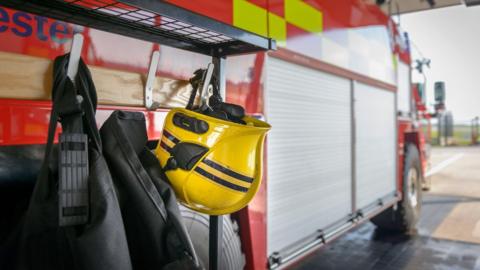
169 136
211 169
219 180
168 141
221 174
227 171
166 144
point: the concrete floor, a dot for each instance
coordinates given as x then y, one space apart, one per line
448 235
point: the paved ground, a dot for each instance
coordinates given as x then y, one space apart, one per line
448 235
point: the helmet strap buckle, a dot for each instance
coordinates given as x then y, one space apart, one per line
171 164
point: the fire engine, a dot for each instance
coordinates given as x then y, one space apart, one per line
345 146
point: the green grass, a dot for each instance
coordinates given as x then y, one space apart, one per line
461 135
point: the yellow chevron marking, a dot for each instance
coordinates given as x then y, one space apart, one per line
277 29
255 19
303 16
250 17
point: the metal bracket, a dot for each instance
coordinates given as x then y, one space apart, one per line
219 64
148 93
321 236
274 259
206 89
380 202
75 55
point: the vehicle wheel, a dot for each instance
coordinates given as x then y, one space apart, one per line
197 227
405 215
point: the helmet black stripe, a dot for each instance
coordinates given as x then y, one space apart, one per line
227 171
220 181
170 137
165 146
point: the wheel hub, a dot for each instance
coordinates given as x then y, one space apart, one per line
412 186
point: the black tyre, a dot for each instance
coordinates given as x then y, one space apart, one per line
197 227
405 215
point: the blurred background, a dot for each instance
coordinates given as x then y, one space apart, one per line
450 38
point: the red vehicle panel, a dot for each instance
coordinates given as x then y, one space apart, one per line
339 42
26 122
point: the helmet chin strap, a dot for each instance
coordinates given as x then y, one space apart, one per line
204 82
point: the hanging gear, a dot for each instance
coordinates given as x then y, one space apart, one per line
78 217
212 154
86 232
156 235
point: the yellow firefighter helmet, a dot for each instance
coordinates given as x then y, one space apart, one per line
213 163
214 166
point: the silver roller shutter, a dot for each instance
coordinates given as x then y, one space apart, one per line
309 151
375 129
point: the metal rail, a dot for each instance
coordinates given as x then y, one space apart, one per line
282 259
154 21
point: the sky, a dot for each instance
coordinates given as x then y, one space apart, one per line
450 37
